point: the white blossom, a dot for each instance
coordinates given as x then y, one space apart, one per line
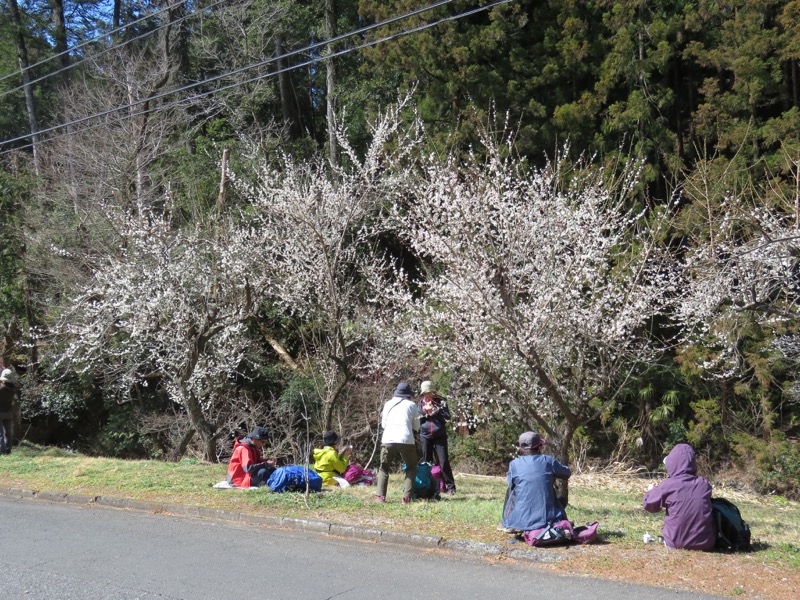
541 283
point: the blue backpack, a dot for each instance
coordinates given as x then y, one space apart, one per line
425 485
292 478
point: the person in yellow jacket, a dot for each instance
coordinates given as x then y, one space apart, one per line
331 462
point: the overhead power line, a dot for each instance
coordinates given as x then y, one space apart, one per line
256 78
265 62
92 40
105 50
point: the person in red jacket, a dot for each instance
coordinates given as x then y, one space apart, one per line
248 468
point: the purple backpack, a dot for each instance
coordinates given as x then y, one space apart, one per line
355 474
436 473
561 532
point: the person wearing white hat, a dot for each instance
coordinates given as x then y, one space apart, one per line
433 419
8 392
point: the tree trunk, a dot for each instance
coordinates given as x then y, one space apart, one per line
330 25
179 450
24 65
207 431
331 401
60 35
117 15
288 99
560 451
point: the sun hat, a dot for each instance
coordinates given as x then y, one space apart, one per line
403 390
330 438
259 433
8 376
426 387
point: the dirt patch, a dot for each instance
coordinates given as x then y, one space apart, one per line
746 576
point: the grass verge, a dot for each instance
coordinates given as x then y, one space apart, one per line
473 513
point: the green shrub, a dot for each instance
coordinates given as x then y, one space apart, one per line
705 429
677 435
775 464
487 451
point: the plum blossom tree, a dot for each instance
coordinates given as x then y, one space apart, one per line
172 307
541 284
169 309
742 297
750 265
315 228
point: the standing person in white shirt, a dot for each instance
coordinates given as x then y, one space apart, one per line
400 422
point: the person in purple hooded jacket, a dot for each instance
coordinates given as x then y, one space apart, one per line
687 500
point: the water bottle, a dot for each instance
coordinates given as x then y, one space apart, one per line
647 538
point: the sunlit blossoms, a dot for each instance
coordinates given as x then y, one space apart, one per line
167 308
748 271
541 284
314 231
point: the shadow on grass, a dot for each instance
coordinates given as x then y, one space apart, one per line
605 534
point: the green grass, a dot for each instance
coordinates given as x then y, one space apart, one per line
473 513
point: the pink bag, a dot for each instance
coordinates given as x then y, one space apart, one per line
560 532
353 473
586 534
436 473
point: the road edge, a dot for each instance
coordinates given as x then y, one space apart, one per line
388 536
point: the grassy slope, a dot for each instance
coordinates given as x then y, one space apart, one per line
473 513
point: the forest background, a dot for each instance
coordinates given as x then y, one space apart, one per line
575 217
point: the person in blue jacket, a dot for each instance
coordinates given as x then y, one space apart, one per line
531 501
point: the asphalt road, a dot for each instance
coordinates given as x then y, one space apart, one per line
64 552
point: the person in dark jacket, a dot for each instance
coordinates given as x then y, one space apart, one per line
8 392
247 467
687 500
531 501
433 418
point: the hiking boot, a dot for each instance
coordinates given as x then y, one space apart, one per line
406 499
380 498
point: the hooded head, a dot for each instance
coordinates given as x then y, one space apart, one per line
680 461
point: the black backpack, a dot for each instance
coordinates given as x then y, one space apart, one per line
732 531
